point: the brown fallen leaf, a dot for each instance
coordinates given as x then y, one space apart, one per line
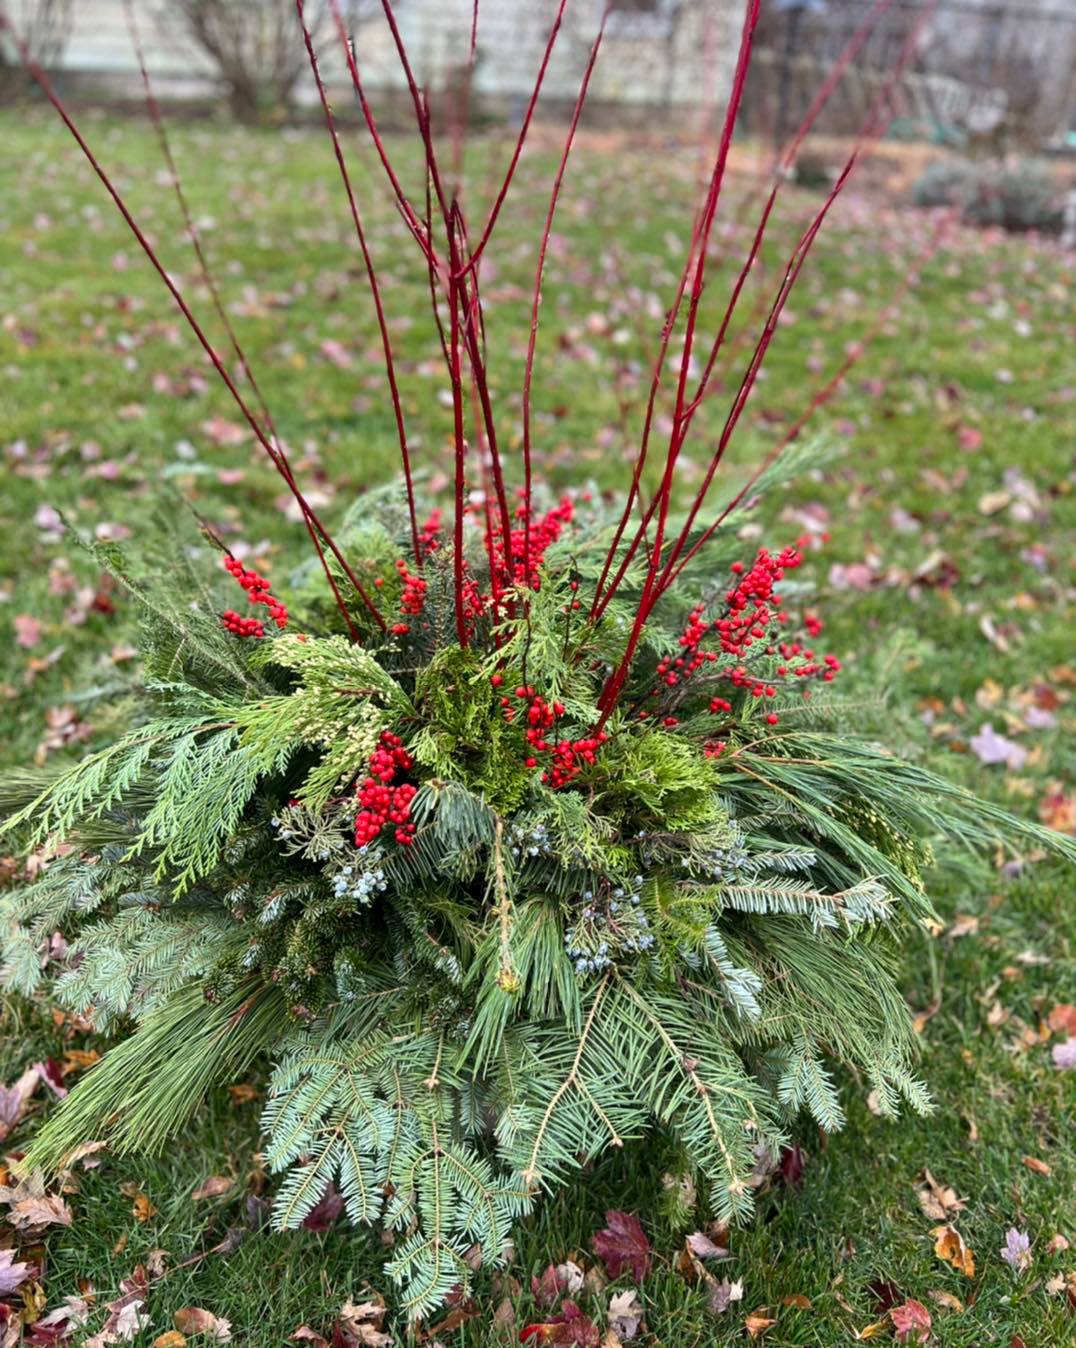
31 1207
936 1199
14 1099
1039 1167
213 1187
1056 1244
172 1338
1062 1019
304 1334
800 1302
946 1299
625 1314
194 1320
142 1209
949 1245
361 1324
243 1094
758 1322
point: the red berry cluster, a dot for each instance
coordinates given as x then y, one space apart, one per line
752 609
257 588
429 535
385 801
544 531
413 597
569 757
242 627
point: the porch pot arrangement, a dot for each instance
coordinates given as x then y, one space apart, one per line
508 833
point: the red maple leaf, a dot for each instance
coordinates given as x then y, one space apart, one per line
623 1244
570 1328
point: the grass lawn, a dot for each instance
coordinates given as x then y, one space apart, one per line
948 511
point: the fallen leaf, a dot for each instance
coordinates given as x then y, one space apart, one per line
126 1315
12 1274
885 1294
14 1099
723 1294
60 1323
1062 1019
243 1094
792 1165
911 1318
1039 1167
142 1208
326 1212
1056 1244
871 1331
193 1320
213 1187
171 1338
799 1301
1064 1055
949 1245
571 1327
360 1326
625 1314
936 1199
703 1247
758 1322
946 1299
991 748
623 1244
304 1334
31 1207
27 630
558 1280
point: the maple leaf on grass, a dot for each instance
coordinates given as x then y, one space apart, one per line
791 1165
326 1212
558 1280
31 1208
623 1244
911 1321
570 1328
949 1245
127 1314
625 1313
12 1274
213 1187
1064 1055
703 1247
936 1199
758 1322
723 1294
194 1320
360 1326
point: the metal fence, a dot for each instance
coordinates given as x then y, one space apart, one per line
984 70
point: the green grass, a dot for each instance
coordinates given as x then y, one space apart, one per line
82 335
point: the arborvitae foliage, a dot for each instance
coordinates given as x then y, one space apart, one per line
483 931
